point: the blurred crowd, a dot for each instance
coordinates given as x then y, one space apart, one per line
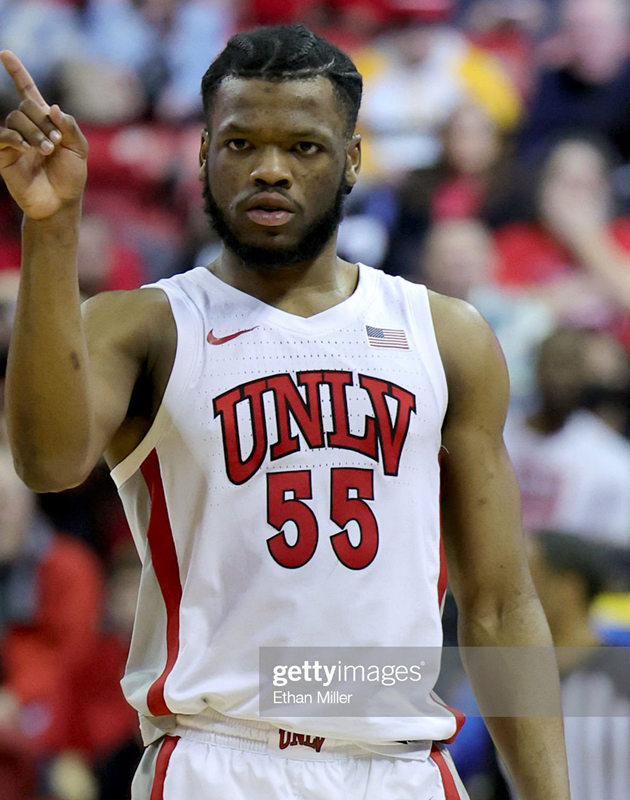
496 169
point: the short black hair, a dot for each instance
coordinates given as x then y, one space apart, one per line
286 52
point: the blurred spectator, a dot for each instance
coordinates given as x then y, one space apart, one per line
9 239
507 29
595 681
351 24
45 33
133 171
416 75
569 573
106 264
104 725
474 177
278 12
99 93
573 470
62 712
586 90
607 388
459 259
51 594
70 778
159 48
576 255
9 283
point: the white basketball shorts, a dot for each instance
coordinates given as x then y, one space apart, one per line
238 761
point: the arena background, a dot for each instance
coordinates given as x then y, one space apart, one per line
496 168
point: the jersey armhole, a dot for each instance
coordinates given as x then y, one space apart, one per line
189 337
421 318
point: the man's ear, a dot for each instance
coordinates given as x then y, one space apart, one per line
203 150
353 161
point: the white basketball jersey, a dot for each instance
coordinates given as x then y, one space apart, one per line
287 495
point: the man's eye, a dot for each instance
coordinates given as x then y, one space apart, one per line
238 144
307 148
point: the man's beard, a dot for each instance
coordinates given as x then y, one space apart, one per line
313 241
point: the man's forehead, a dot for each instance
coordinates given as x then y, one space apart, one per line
239 89
241 97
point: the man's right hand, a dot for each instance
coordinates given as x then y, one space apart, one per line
43 154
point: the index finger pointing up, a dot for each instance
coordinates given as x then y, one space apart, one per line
20 76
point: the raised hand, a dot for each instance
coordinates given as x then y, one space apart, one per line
43 154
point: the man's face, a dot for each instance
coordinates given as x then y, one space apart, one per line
275 167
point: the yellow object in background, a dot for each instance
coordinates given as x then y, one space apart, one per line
489 86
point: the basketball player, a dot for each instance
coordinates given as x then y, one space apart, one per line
273 423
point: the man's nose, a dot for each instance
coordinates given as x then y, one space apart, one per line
272 169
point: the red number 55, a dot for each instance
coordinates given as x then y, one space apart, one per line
349 490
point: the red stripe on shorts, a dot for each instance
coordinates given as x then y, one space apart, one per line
451 791
164 559
161 765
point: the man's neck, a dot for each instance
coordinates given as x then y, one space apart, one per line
302 289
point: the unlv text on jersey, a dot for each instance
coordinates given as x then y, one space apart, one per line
383 436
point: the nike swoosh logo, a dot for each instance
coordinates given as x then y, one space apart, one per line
212 339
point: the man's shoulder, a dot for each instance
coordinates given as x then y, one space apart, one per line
456 322
144 298
452 308
470 352
460 328
149 298
124 311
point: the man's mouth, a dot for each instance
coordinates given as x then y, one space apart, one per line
270 217
269 209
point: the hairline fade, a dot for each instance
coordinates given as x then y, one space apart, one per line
286 53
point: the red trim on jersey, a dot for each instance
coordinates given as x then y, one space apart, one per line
460 717
451 792
164 558
161 765
443 576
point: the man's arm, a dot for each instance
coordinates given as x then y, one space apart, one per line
488 571
69 379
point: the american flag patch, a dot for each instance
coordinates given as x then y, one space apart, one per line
386 337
